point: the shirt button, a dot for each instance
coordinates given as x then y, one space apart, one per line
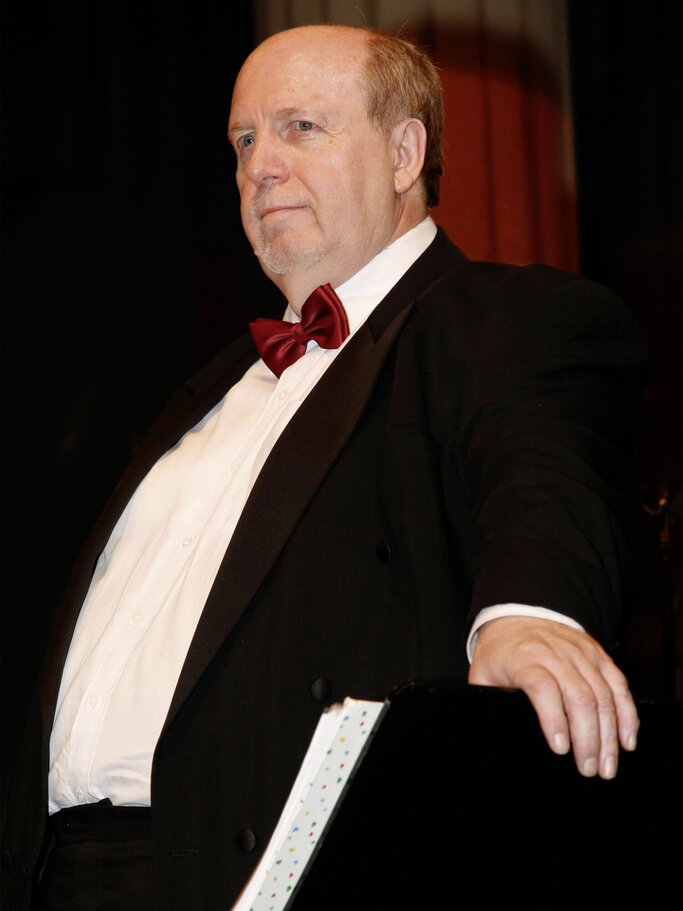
281 396
383 552
246 840
137 619
321 689
93 700
234 468
187 542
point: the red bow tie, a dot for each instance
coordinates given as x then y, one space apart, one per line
323 320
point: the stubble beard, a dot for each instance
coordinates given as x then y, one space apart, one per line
281 256
280 259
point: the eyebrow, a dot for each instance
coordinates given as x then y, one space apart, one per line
236 127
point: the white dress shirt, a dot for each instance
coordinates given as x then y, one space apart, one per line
155 573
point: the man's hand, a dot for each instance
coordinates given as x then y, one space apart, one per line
581 697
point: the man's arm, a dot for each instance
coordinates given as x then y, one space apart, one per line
581 697
549 462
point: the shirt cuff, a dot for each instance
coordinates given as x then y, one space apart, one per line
514 610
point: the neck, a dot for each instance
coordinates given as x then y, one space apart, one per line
297 286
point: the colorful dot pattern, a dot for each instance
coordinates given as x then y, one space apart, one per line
334 751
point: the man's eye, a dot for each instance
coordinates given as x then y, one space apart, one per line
304 126
244 141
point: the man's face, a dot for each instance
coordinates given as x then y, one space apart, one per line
316 178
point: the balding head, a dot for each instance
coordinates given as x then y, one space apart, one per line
324 186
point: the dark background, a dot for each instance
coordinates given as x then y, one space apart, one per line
124 267
628 95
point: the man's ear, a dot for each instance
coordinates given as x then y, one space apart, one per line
410 144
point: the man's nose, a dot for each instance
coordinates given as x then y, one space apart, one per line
267 162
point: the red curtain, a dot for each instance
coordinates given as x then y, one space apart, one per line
508 187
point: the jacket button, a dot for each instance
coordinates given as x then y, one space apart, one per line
246 841
321 689
383 552
7 860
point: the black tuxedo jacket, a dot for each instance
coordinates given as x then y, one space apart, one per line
472 445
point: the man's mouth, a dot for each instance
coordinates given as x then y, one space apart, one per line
280 209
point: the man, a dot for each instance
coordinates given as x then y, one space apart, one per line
450 478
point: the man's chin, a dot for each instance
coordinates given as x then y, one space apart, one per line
281 259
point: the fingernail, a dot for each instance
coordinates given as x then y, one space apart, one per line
590 767
631 741
610 769
561 742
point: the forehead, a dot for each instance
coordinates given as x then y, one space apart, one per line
320 67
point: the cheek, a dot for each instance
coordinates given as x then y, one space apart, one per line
251 229
373 176
245 206
372 197
245 220
333 189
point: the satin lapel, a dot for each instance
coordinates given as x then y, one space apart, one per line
184 410
325 421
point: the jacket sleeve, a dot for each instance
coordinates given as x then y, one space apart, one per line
550 386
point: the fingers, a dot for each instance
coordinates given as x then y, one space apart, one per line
580 696
575 711
627 713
